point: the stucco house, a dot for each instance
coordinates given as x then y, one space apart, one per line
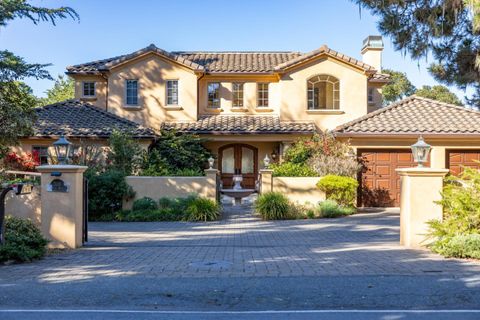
252 104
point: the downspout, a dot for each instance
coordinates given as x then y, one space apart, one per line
198 94
104 76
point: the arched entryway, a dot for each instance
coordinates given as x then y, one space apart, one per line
238 159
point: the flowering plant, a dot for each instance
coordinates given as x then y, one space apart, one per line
25 162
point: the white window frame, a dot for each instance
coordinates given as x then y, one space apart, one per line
242 84
47 154
94 89
337 90
370 95
261 100
126 93
211 106
167 93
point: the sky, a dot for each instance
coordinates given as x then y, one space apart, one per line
109 28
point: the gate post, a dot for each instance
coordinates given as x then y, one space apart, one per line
266 180
420 190
212 184
62 205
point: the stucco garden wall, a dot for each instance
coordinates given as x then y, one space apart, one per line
27 206
299 189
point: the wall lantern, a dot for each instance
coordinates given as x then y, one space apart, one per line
266 161
274 155
420 151
211 161
62 149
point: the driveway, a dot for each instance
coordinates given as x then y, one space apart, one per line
242 264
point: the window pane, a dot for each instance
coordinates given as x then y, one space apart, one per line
132 92
247 160
172 92
237 92
42 153
213 95
88 89
262 95
228 161
323 92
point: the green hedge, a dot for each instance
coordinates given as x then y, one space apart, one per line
289 169
342 190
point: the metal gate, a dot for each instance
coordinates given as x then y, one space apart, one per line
85 211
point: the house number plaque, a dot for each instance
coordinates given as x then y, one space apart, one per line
58 185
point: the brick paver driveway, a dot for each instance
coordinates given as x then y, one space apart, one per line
243 246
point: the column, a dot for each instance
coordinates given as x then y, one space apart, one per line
266 180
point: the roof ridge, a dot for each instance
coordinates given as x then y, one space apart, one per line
446 104
233 52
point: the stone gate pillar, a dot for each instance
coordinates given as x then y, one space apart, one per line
212 191
62 205
420 190
266 180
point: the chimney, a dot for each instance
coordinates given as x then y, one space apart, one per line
372 51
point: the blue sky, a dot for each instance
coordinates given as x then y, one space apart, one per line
112 27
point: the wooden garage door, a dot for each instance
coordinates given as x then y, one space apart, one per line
456 159
379 183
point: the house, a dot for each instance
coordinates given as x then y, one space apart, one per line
252 105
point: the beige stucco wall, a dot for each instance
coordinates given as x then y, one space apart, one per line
438 154
171 187
27 206
100 90
301 190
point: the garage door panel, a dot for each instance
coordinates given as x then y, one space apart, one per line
471 157
457 159
379 157
404 157
383 170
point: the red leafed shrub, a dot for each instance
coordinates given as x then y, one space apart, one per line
25 162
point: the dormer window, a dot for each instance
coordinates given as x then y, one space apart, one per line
323 93
131 94
370 95
88 89
214 95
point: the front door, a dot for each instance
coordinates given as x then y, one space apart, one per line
240 159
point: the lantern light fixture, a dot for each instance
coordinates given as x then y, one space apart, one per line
420 151
266 161
62 150
211 162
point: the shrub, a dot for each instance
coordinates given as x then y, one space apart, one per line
149 215
341 189
331 209
324 165
144 203
106 192
289 169
459 246
273 206
23 241
300 151
202 209
125 153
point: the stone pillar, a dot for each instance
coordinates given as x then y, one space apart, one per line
420 189
212 184
266 180
62 205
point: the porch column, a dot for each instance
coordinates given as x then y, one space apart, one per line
62 205
266 180
212 184
420 190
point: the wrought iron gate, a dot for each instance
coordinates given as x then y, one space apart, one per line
85 211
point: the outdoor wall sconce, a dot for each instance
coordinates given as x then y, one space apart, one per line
266 161
420 151
274 155
211 161
62 150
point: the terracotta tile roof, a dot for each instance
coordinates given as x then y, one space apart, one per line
74 118
380 77
415 115
222 62
245 124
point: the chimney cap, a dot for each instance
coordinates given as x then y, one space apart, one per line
373 42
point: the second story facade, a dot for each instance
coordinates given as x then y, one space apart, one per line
152 86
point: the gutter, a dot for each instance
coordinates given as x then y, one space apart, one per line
408 135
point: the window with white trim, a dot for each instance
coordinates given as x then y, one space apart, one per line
88 89
172 92
42 152
370 95
131 94
262 95
323 93
213 95
237 92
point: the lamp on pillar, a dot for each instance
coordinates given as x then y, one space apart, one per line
420 151
211 162
62 149
266 161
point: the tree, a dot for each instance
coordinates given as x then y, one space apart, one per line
440 93
398 88
445 29
63 89
16 99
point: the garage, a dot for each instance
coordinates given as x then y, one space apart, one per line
379 182
456 159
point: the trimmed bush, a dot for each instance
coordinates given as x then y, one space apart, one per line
23 241
331 209
202 209
343 190
273 206
289 169
144 203
459 246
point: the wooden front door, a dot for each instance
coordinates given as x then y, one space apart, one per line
238 159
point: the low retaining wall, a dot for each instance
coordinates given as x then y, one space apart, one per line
299 189
25 206
172 187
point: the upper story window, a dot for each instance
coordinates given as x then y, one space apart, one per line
323 93
172 92
370 95
262 95
131 95
237 92
42 152
214 95
88 89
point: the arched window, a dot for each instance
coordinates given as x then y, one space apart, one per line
323 93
